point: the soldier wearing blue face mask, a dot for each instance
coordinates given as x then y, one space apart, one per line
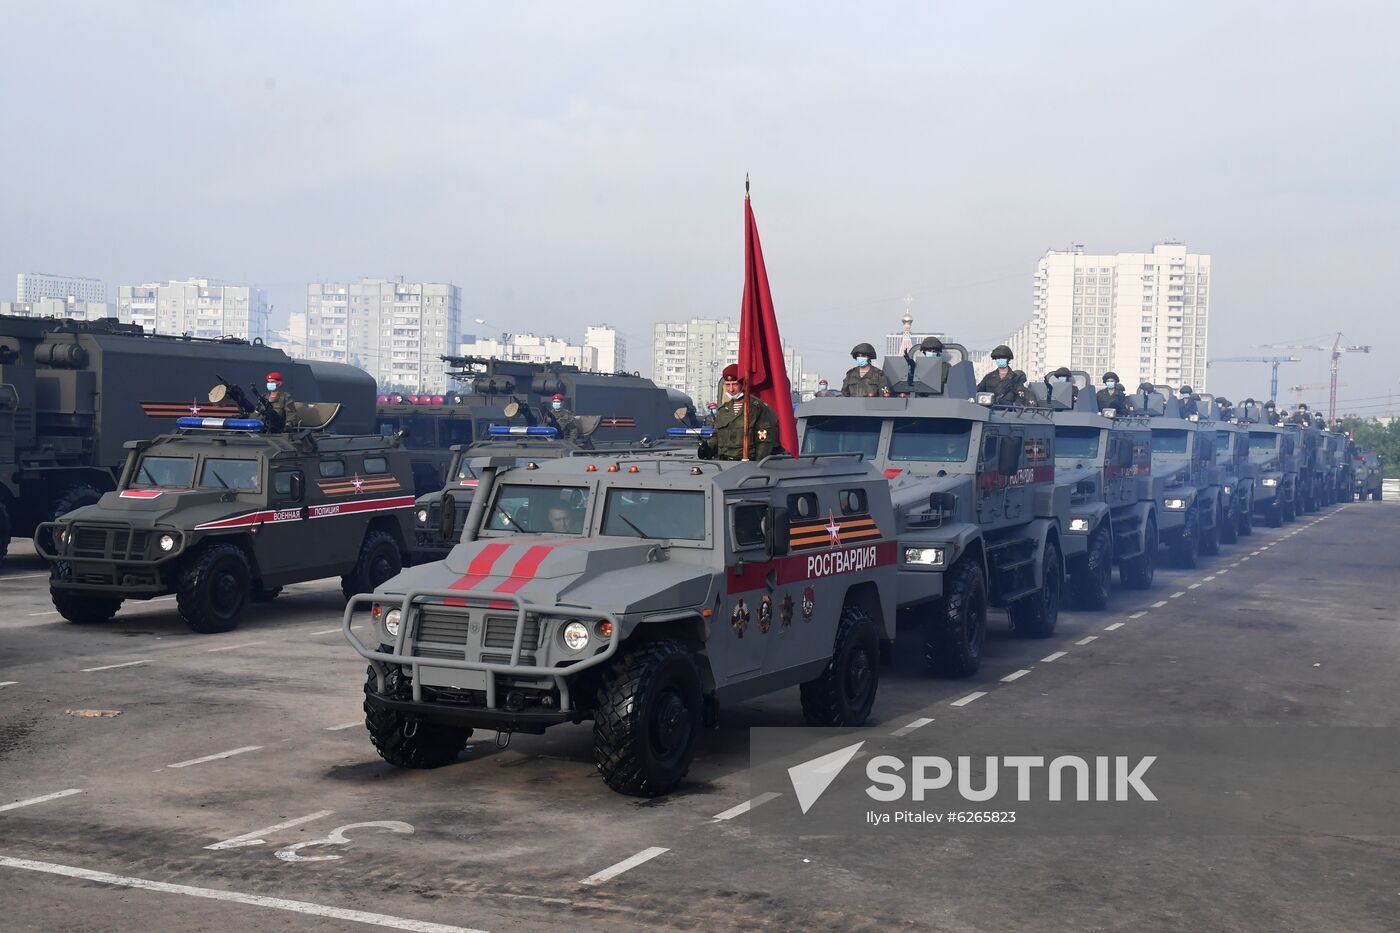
1062 375
1112 395
564 420
1007 385
864 379
280 400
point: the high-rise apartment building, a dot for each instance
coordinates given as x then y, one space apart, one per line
195 307
33 286
1144 316
691 356
611 347
530 348
395 330
57 308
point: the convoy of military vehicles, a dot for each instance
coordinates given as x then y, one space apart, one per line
509 567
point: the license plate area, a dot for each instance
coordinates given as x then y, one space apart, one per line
446 677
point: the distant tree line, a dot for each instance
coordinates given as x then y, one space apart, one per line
1378 436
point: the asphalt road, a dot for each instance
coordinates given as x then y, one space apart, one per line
152 778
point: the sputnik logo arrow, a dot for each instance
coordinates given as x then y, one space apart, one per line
811 778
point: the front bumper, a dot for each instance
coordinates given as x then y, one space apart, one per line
107 557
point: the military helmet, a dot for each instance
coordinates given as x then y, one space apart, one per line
1111 375
932 345
1003 352
1186 390
863 349
1062 371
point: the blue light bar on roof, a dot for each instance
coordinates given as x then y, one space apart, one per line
229 424
504 430
695 432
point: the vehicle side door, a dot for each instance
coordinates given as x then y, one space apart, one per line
286 538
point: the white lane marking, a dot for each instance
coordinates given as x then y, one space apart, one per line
337 837
326 632
1220 571
1177 594
46 612
1159 604
1196 586
1114 627
626 864
1138 615
908 728
246 644
969 698
748 805
1014 675
228 754
33 800
1237 563
1086 639
1244 558
1054 657
1210 578
8 683
112 667
255 837
254 900
1255 553
22 576
345 725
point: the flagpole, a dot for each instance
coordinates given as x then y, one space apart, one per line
747 376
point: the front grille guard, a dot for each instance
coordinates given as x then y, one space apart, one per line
44 537
460 598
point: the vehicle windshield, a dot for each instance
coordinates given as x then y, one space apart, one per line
540 510
465 471
1168 441
229 474
1262 440
834 434
1077 442
940 440
166 472
1225 440
655 513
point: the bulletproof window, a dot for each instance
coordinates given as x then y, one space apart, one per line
655 513
748 519
1168 441
376 464
802 505
531 509
1077 441
332 468
283 483
168 472
942 440
220 473
829 434
852 501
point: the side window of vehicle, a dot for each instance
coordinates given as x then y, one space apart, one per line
748 522
802 505
852 501
376 464
990 445
288 485
332 468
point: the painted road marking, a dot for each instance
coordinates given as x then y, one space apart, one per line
345 725
228 754
46 612
246 644
1114 627
969 698
326 632
1209 578
255 837
1054 657
22 576
112 667
1138 615
1197 586
1086 639
1220 571
1236 563
1244 558
1178 593
908 728
1014 675
1159 604
748 805
8 683
253 900
627 864
33 800
1255 553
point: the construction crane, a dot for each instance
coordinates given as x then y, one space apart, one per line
1273 361
1299 390
1336 350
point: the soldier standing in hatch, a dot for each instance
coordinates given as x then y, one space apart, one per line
1007 385
564 420
1188 402
864 380
1112 395
281 401
1061 375
727 443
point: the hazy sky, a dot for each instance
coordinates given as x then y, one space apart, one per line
583 162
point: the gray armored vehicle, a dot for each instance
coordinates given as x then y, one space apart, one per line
980 516
638 592
73 392
1237 485
1273 452
223 513
1189 509
1107 464
1366 467
1341 477
1312 466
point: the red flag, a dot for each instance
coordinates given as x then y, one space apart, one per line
761 360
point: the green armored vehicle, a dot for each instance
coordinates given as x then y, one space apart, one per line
1238 471
1366 466
1107 463
641 592
223 513
1189 507
980 517
1273 452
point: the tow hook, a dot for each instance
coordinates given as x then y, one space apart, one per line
410 728
503 739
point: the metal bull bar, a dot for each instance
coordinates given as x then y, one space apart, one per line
408 625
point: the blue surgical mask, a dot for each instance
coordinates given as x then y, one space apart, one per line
1062 379
862 361
1001 364
1110 384
556 405
929 354
272 387
737 395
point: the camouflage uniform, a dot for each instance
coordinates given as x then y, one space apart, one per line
727 443
871 384
565 422
1006 390
1116 399
283 404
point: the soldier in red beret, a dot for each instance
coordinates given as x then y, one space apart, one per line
737 410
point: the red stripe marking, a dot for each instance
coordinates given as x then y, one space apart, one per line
479 569
525 568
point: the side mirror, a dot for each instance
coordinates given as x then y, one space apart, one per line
298 486
776 532
1008 457
447 517
218 394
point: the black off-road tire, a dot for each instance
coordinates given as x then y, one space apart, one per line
84 609
1376 496
1186 546
1290 509
5 528
380 559
1230 524
1137 573
1245 527
956 626
1273 514
1036 615
74 497
648 719
405 742
265 594
1210 540
1088 587
843 694
214 588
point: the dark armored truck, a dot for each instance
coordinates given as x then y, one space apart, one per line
1189 509
73 392
1238 480
1273 453
1312 466
1107 464
979 515
223 513
1366 465
641 593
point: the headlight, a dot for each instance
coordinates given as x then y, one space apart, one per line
422 516
928 556
575 635
1227 490
60 535
167 542
1078 524
1176 505
985 398
1271 481
391 621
